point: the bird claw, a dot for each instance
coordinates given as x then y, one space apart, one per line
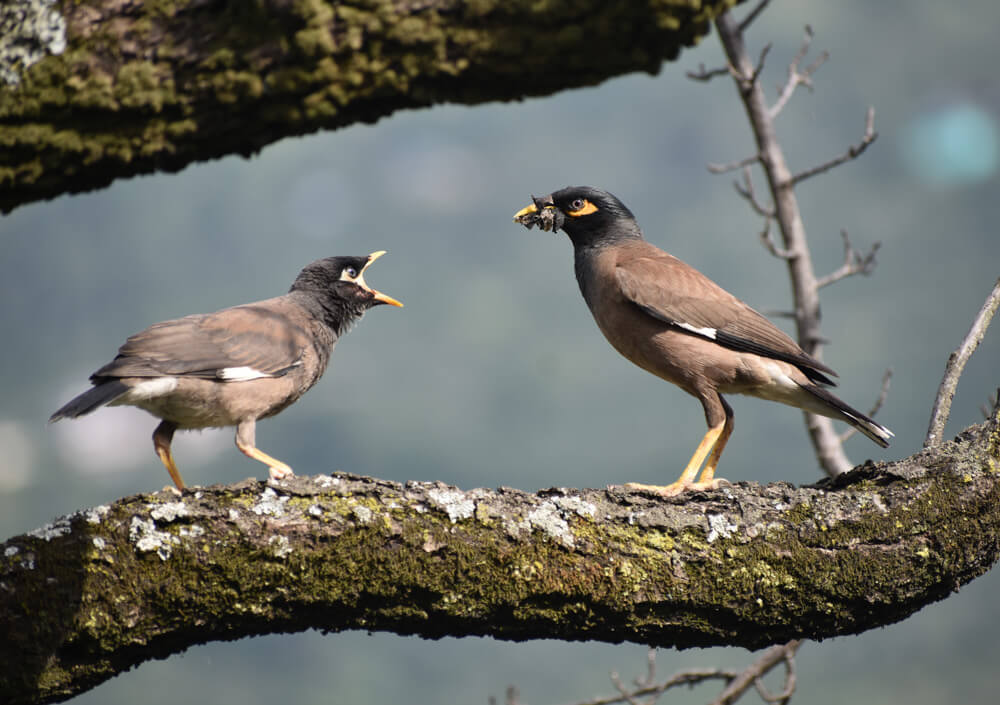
280 473
677 488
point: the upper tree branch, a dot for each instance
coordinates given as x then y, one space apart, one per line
100 591
114 89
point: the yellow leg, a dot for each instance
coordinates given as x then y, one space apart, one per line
686 480
713 460
276 469
162 436
246 442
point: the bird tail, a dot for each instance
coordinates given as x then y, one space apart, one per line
94 398
837 409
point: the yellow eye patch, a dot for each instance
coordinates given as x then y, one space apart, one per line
586 209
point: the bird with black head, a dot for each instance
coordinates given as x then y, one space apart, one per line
676 323
238 365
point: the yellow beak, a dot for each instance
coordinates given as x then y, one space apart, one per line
360 281
527 210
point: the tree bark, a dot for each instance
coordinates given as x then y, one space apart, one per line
98 90
104 589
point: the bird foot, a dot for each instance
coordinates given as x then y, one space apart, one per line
676 488
172 489
280 472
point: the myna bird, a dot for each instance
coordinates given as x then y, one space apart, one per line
237 365
673 321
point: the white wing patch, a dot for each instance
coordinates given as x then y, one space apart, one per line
240 374
705 332
149 389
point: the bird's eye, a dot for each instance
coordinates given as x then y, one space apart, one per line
351 272
577 204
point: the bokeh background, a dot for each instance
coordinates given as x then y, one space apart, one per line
494 373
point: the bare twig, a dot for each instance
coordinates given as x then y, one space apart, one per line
692 677
992 406
855 262
746 190
737 682
798 78
883 394
703 74
956 363
853 152
771 246
733 166
752 675
748 20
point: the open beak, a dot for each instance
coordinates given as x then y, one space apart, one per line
360 281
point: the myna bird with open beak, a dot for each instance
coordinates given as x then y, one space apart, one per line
237 365
673 321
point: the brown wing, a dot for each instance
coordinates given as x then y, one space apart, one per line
254 340
679 295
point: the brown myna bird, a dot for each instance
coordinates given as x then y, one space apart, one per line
237 365
673 321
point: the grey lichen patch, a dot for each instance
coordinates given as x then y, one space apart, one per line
11 551
362 513
59 527
148 539
454 503
719 527
168 512
30 30
548 519
95 514
281 546
576 505
270 504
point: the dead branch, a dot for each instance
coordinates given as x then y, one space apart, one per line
794 250
753 14
733 166
853 152
705 75
855 262
798 78
956 364
771 246
754 674
746 190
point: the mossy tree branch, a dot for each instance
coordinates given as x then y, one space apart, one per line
102 590
97 90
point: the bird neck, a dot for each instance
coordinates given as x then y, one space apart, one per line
599 237
337 314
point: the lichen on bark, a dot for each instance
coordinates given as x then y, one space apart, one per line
156 86
97 592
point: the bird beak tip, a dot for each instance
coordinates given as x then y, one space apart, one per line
386 299
527 210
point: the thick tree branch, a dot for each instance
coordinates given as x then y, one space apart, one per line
100 591
95 91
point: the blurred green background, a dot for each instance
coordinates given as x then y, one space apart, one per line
494 373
